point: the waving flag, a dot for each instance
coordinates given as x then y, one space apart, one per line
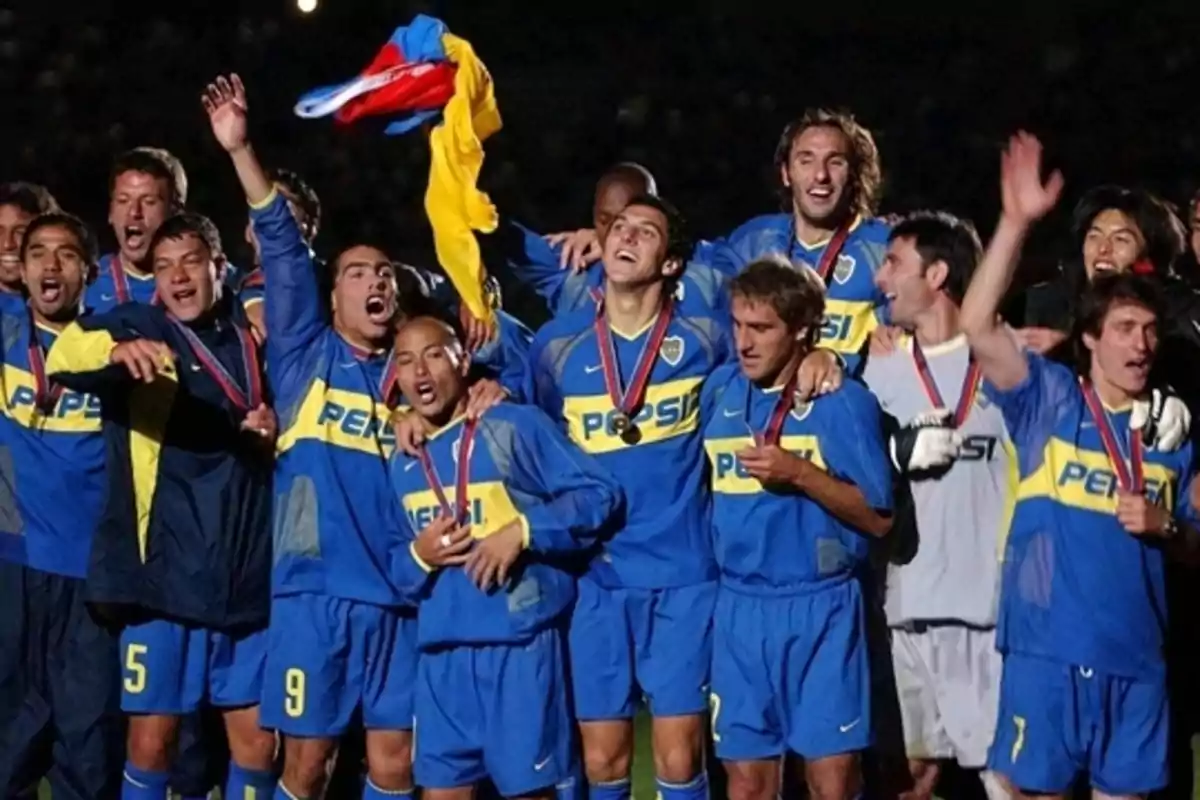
424 72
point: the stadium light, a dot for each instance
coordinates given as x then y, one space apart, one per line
306 6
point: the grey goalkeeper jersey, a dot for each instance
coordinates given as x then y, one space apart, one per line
963 515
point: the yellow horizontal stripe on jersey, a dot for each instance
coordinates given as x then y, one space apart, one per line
74 412
351 420
730 477
670 409
847 324
1085 479
490 506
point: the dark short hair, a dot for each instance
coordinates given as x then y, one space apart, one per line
679 244
188 223
631 174
69 222
304 195
866 173
940 236
1154 217
1100 296
796 293
158 163
31 198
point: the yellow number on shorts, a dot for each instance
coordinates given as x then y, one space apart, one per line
293 681
1019 742
135 681
714 706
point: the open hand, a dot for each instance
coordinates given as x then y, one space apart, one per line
1026 197
225 101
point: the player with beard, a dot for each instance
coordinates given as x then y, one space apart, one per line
342 636
955 456
799 489
624 378
19 203
59 705
181 556
146 186
829 170
492 575
1083 605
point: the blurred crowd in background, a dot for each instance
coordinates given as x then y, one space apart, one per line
697 92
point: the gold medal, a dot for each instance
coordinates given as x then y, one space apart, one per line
621 423
632 434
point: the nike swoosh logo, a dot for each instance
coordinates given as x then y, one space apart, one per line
590 370
538 767
196 368
737 412
850 726
108 298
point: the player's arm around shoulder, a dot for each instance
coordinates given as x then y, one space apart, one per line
95 352
576 499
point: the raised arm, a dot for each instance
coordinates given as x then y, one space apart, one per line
1026 199
293 298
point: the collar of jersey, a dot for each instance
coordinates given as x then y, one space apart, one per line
810 247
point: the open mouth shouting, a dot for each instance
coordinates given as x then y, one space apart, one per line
626 255
379 308
426 392
50 290
136 237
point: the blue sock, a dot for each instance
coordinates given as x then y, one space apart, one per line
373 792
248 784
142 785
695 789
617 790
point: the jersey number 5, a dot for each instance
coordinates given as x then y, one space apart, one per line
135 678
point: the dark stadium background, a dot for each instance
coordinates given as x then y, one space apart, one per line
698 92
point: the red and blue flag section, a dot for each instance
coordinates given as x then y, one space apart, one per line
410 78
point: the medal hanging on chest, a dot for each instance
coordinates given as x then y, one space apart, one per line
627 400
462 476
244 399
966 397
1129 472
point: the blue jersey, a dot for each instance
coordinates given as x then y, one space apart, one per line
115 285
699 288
522 470
665 539
54 460
1077 588
775 542
853 304
335 513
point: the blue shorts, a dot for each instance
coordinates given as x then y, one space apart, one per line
1057 721
62 707
626 643
172 668
329 656
791 674
494 711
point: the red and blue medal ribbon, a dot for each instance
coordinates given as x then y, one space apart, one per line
46 391
783 405
462 475
121 282
1129 473
966 397
627 400
246 398
832 251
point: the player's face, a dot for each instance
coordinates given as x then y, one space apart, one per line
186 276
431 368
909 287
299 215
611 200
764 343
818 173
138 205
13 222
1124 351
364 294
635 248
55 271
1113 242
